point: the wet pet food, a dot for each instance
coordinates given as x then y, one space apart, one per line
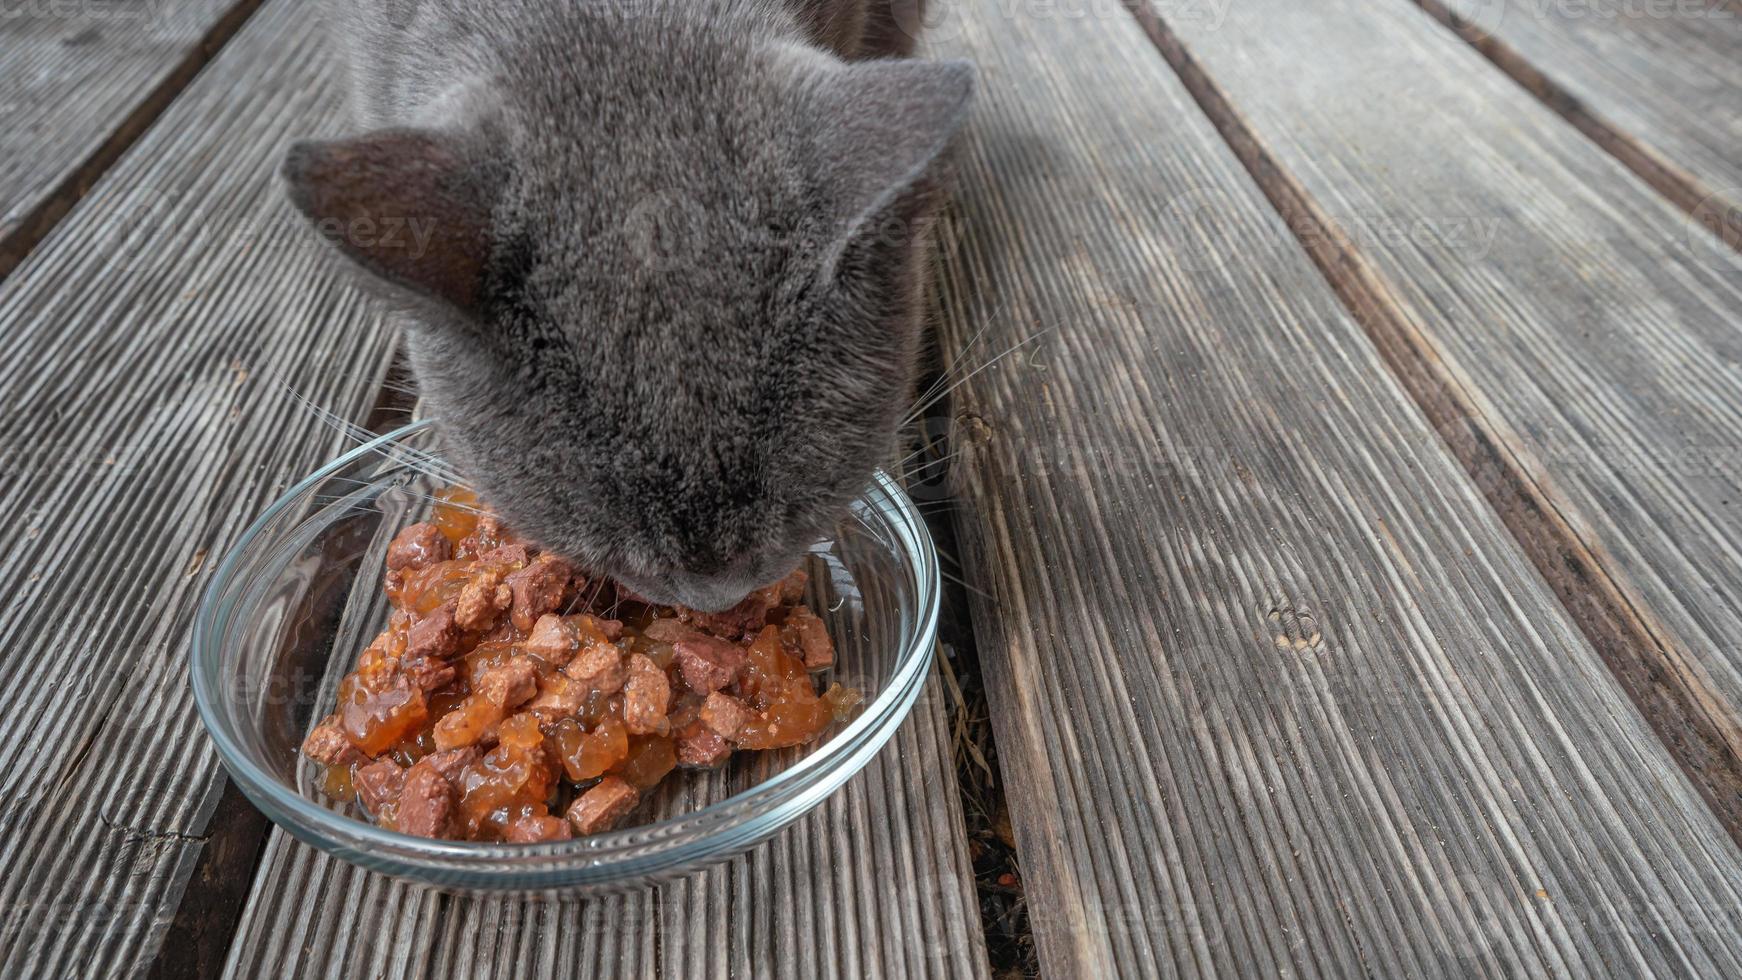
513 699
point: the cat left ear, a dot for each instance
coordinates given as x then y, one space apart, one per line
404 204
890 123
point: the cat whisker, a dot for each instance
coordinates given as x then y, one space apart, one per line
920 410
924 448
403 388
922 465
962 355
933 506
420 460
415 495
395 450
599 587
982 593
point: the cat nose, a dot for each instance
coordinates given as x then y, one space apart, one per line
708 593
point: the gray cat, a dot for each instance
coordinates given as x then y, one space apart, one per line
663 259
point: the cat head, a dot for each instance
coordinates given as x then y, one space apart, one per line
667 312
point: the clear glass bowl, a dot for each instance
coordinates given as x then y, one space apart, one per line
291 607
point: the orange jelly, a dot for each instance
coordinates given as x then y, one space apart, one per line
494 731
455 513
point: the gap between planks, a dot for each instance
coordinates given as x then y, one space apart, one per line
35 224
1682 187
1688 718
206 920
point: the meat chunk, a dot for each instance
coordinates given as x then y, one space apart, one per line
668 631
598 809
434 637
627 594
707 663
534 829
538 589
646 698
503 633
378 783
329 746
487 535
810 634
430 676
429 644
782 593
724 714
418 546
482 599
559 696
377 718
600 668
510 684
506 554
470 722
498 656
426 804
554 639
450 763
790 590
747 617
698 747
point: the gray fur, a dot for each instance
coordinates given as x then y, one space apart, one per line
669 310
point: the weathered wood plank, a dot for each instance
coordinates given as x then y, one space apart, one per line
78 83
1275 691
149 350
874 883
1657 84
1575 338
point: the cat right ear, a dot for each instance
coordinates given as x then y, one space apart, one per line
404 204
890 122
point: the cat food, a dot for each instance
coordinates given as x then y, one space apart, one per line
511 698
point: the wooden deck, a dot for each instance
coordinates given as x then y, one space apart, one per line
1352 548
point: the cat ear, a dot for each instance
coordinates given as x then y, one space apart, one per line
404 204
891 121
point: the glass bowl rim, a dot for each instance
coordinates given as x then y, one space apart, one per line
879 719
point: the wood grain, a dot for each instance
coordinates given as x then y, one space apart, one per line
152 355
1572 336
152 347
78 83
1275 690
1657 85
873 883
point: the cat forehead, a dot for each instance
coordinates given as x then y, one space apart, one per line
630 74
